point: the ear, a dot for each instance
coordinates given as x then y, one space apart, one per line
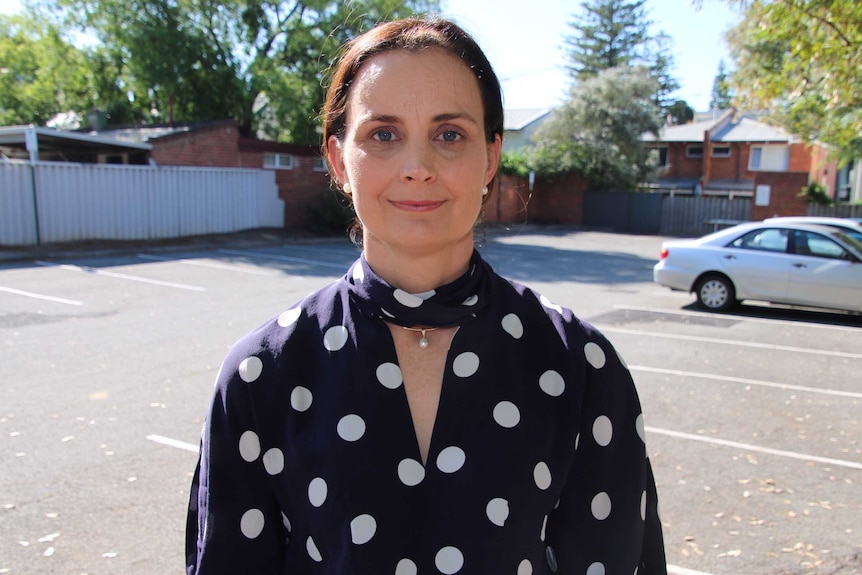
335 156
494 149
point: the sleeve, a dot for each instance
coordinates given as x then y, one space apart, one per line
607 518
234 521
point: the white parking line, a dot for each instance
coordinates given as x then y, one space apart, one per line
674 570
787 386
756 448
269 256
122 276
173 443
609 329
40 296
671 569
207 265
740 318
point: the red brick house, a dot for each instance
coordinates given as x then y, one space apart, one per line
300 172
733 154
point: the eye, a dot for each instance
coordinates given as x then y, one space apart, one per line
450 136
384 135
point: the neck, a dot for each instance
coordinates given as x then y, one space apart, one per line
417 271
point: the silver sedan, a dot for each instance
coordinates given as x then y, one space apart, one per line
793 264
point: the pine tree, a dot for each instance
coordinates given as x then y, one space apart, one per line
722 96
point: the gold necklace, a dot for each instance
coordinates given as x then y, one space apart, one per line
423 341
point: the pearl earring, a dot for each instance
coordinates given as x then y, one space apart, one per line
346 188
484 190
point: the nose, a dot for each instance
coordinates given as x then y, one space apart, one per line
418 163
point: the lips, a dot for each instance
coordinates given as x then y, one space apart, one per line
416 205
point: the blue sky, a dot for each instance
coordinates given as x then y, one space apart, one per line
524 41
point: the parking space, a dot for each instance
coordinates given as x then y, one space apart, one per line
753 417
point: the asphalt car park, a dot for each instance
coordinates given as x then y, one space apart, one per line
108 361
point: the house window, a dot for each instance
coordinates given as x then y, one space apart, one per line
278 161
768 158
658 156
721 151
319 164
694 151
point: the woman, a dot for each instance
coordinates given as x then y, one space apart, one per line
422 415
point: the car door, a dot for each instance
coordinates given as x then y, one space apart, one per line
823 273
758 263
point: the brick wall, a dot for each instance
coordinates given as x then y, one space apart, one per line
784 197
680 166
210 146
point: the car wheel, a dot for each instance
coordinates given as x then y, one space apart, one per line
715 292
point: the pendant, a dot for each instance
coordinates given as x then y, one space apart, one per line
423 341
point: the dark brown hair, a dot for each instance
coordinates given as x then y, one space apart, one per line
410 34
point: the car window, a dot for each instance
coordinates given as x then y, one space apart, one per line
766 239
813 244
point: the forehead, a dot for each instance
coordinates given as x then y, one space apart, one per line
401 78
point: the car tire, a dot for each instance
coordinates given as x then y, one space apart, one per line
715 292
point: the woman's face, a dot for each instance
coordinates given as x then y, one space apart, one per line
414 150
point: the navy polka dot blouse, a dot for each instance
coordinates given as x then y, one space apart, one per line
537 464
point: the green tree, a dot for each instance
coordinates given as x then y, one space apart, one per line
597 131
260 62
40 73
680 113
801 59
721 97
612 33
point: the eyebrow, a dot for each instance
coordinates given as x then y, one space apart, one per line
390 119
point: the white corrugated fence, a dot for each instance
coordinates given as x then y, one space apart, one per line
50 202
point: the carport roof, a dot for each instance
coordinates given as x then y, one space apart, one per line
46 139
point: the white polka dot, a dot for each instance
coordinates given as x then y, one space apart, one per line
250 368
513 326
449 560
603 430
594 354
596 569
426 294
506 414
497 511
471 301
407 299
351 427
273 461
317 491
577 441
639 426
451 459
289 317
552 383
362 529
411 472
406 567
358 273
301 398
249 446
643 505
542 475
251 523
525 567
335 338
550 305
286 523
386 313
544 526
601 506
466 364
312 550
389 375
